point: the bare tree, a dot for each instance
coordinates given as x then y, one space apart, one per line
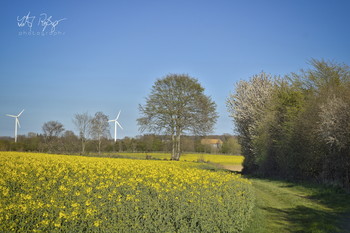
82 122
99 128
177 105
52 129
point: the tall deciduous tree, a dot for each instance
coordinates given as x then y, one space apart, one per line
82 122
177 105
99 128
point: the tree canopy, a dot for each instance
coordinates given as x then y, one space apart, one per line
177 105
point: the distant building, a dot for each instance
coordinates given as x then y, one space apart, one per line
214 143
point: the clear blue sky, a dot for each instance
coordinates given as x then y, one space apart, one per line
110 53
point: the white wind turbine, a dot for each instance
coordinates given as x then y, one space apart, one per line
16 123
115 126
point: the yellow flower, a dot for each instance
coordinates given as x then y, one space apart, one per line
97 223
89 189
62 215
89 211
57 224
62 188
5 191
74 205
45 222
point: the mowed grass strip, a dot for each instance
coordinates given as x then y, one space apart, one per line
289 207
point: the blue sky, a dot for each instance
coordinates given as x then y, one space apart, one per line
109 53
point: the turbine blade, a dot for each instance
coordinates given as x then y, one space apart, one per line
17 121
20 113
119 125
10 115
111 120
118 115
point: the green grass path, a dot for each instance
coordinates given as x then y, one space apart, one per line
287 207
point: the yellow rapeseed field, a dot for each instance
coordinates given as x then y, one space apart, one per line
214 158
61 193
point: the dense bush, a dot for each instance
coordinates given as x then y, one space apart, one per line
297 127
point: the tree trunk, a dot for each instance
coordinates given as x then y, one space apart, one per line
347 178
99 145
178 147
120 146
82 146
173 152
176 150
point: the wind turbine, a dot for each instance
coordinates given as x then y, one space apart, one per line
16 123
115 126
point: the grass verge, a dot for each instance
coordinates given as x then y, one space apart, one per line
289 207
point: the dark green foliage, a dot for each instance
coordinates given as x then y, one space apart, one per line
300 128
230 145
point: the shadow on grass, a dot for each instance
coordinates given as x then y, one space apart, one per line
330 214
304 219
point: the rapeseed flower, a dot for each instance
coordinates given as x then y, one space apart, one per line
44 192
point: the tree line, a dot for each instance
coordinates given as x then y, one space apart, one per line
296 127
68 142
94 137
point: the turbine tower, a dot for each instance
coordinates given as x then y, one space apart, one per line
115 126
16 123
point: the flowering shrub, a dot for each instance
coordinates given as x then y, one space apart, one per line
60 193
